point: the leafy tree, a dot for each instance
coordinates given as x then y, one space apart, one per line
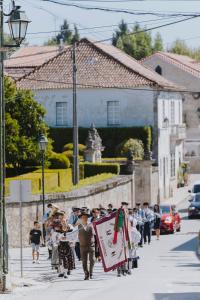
158 43
24 124
180 47
66 34
134 145
136 42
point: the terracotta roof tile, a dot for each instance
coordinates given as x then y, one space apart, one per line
99 65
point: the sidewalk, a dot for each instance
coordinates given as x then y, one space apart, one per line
182 193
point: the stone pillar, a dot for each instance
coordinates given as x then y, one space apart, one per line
143 182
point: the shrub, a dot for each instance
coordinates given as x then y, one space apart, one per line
92 169
136 146
69 147
110 137
59 161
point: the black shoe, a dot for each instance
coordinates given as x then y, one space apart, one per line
68 272
118 275
61 275
87 276
91 276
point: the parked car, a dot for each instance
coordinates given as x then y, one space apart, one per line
170 219
195 189
194 207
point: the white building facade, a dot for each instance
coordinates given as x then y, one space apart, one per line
184 71
126 108
114 90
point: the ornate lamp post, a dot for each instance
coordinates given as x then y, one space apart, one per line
43 143
18 23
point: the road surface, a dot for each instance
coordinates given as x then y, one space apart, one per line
169 269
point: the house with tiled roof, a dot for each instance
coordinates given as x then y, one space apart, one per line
113 90
185 71
26 59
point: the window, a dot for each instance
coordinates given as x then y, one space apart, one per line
113 113
172 112
158 70
180 112
173 165
61 113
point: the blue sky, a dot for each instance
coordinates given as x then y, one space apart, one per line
48 17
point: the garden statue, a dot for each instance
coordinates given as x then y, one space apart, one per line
94 148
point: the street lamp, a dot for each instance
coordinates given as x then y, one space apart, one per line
18 23
43 143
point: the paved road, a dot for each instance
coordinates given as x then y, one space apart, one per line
169 270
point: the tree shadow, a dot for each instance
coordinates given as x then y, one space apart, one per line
177 296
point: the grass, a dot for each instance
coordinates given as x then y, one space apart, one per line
56 180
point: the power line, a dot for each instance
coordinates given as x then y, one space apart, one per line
103 26
116 10
167 89
152 28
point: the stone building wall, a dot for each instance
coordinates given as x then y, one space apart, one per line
114 190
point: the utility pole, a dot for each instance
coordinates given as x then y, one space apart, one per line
75 120
2 206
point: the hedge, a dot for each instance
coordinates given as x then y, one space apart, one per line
59 161
54 180
111 137
92 169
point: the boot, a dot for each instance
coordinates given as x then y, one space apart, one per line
87 275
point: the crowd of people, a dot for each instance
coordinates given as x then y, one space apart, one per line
73 237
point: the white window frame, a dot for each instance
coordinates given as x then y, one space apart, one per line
62 119
113 113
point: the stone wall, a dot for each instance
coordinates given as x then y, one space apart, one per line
117 189
194 164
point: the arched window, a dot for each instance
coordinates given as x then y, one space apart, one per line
158 70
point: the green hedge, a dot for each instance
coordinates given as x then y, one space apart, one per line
92 169
111 137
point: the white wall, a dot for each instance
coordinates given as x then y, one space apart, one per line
166 145
136 107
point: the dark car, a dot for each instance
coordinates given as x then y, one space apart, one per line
170 219
194 207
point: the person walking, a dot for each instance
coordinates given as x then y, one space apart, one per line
157 220
95 217
35 238
139 214
148 219
65 253
87 244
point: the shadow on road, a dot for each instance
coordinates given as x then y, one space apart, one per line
190 245
177 296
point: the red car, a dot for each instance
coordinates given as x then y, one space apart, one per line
170 219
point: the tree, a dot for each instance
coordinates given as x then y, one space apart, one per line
66 34
24 124
180 47
136 42
158 43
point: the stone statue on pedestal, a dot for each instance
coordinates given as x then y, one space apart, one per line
94 148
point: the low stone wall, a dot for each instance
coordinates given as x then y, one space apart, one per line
117 189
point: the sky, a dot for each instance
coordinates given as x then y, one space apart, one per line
47 16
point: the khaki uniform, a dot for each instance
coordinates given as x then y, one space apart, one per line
87 247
